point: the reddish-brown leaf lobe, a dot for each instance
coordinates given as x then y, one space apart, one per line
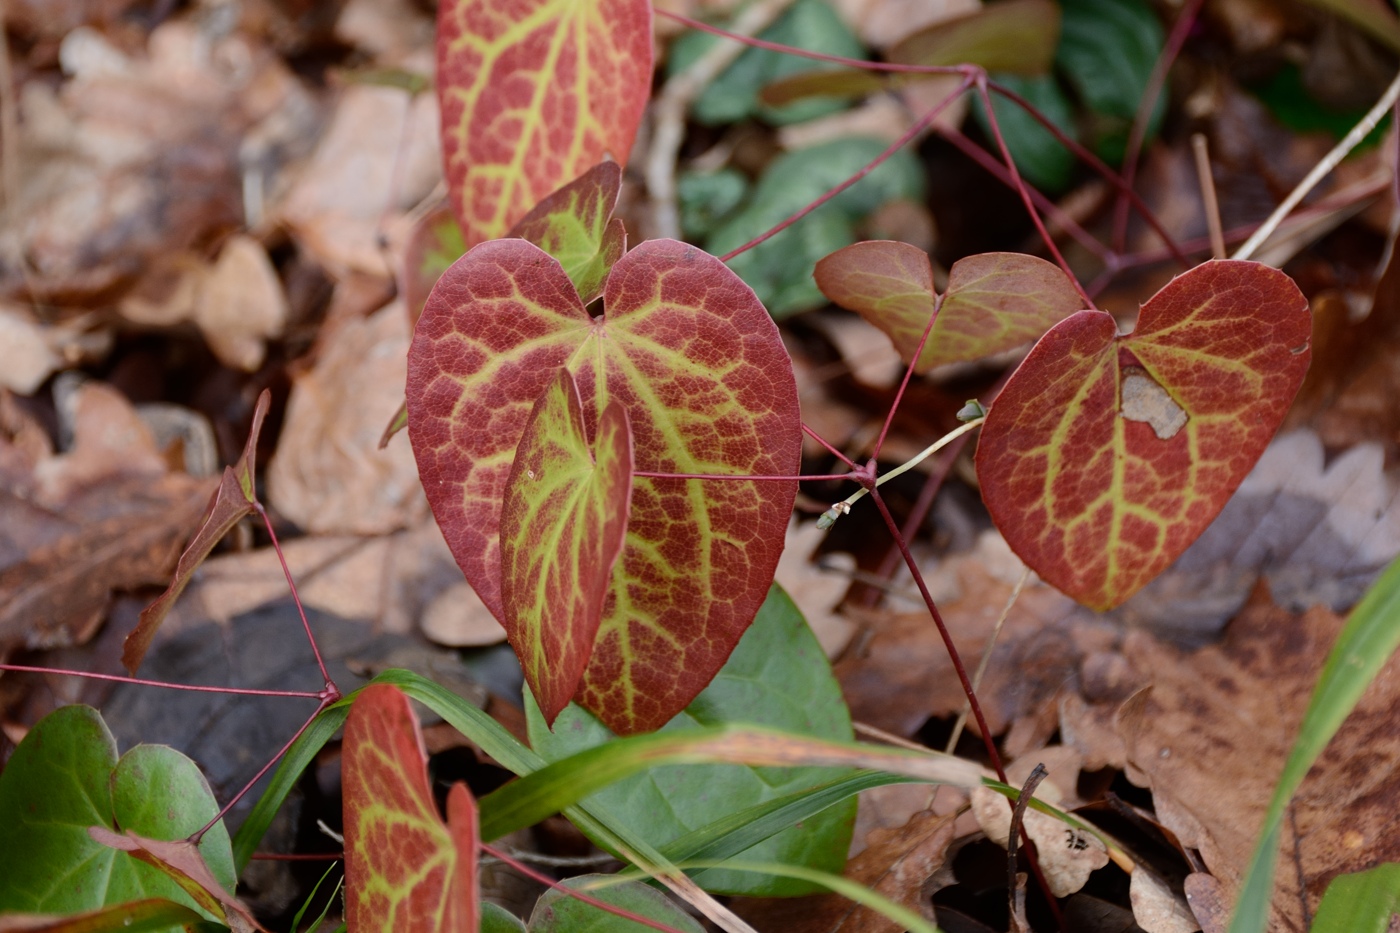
405 871
1098 503
696 361
563 525
533 93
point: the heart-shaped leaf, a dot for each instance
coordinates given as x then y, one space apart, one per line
575 225
563 526
1105 456
404 870
64 779
994 301
690 353
533 93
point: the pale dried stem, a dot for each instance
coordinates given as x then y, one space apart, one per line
986 657
1199 148
1322 169
670 106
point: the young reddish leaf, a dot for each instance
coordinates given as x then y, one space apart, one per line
1017 36
994 301
1086 463
434 243
562 530
575 225
404 870
696 361
181 862
233 499
533 93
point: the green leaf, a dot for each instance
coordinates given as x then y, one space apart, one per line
1040 157
779 270
142 916
1107 454
994 301
733 96
64 778
575 225
700 368
1364 902
777 677
496 919
1108 49
1364 645
563 526
558 912
706 197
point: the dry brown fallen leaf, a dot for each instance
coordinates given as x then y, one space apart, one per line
329 475
105 515
1210 736
1156 907
899 863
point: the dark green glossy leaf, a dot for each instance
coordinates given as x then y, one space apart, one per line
558 912
1040 157
496 919
733 96
1107 51
779 270
779 677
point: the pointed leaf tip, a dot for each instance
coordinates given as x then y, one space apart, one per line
563 525
1105 456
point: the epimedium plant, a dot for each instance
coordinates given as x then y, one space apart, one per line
610 441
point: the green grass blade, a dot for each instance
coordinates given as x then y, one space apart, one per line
1364 645
1363 902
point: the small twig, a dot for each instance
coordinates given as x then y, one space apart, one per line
841 508
1322 169
1200 149
1018 812
670 106
986 658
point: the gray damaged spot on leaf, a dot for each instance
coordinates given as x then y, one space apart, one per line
1145 400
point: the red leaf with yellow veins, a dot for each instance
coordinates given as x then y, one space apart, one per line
575 225
994 301
562 529
533 93
404 870
1105 456
695 360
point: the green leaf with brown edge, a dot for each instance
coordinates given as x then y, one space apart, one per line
1105 456
234 499
563 526
842 83
533 93
1015 36
180 861
575 225
994 301
404 870
690 353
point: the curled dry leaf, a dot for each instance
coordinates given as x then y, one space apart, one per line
1156 907
1067 855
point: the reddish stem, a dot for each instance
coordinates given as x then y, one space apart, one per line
246 691
831 450
908 374
1180 29
544 879
331 689
909 135
325 702
652 474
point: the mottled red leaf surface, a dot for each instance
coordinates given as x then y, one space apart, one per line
1105 456
687 349
994 301
405 871
562 529
533 93
233 500
434 243
575 225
